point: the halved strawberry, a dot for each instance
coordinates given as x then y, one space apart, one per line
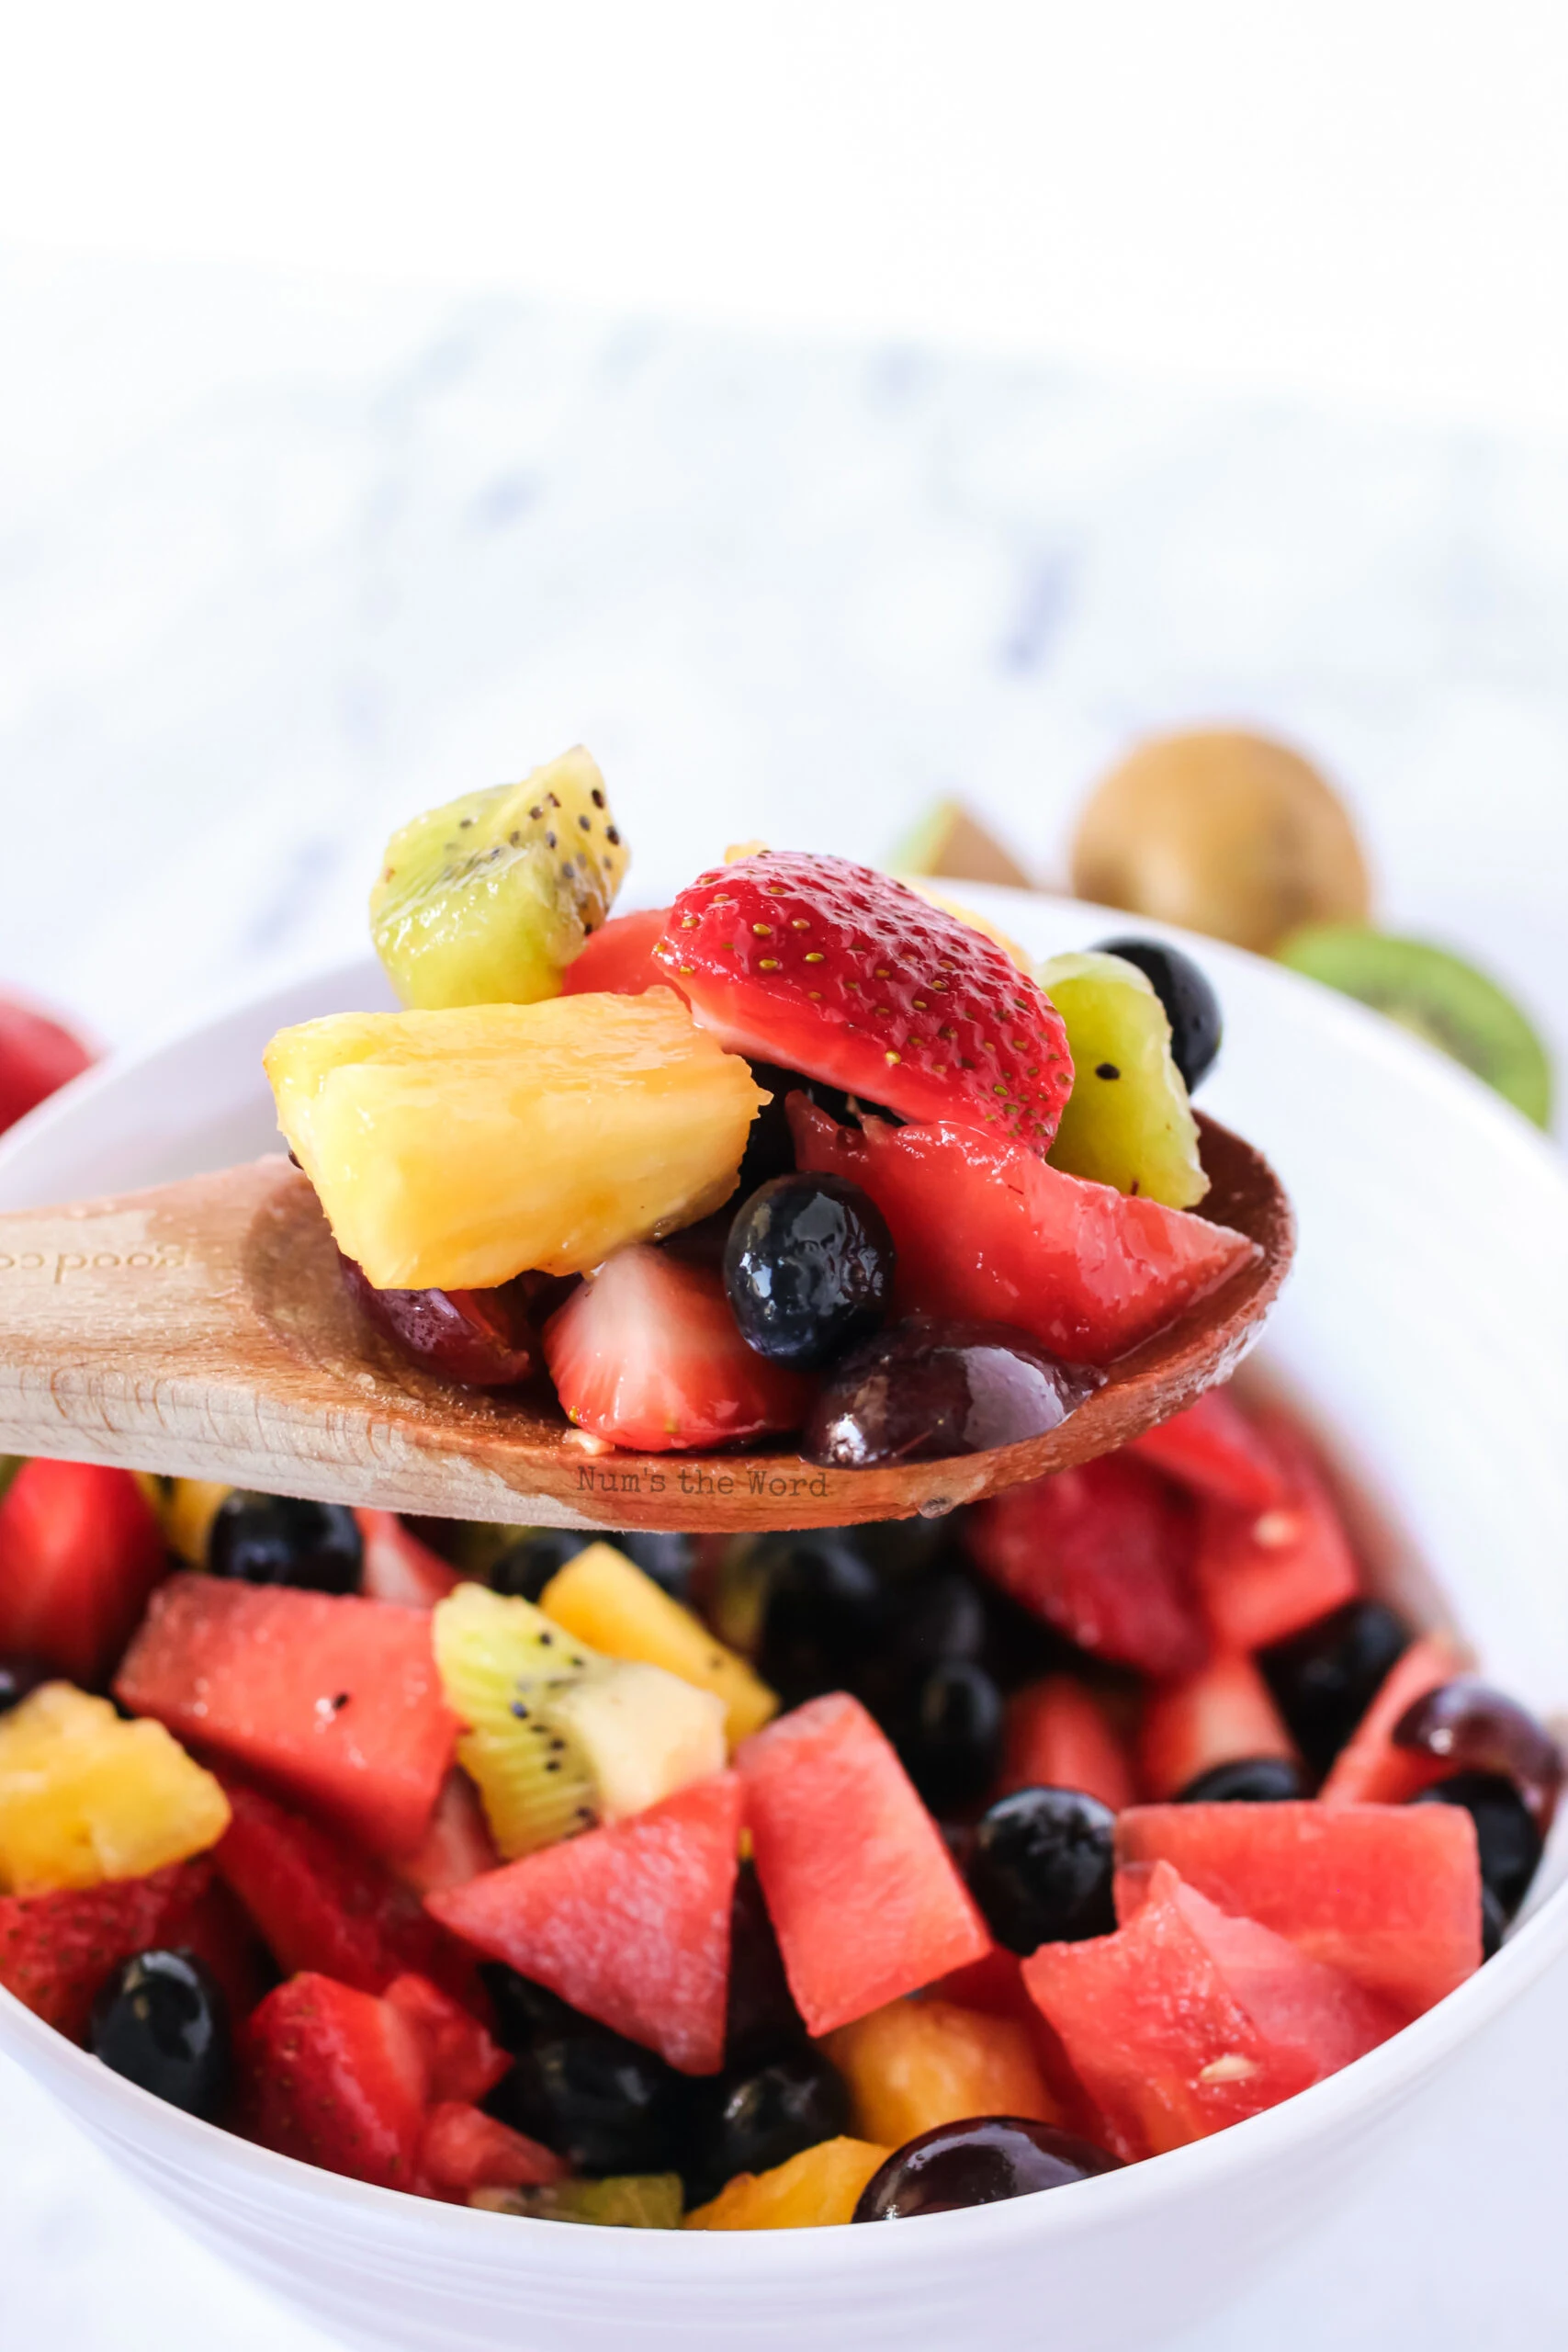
56 1951
461 2061
1103 1552
461 2148
457 1847
36 1056
1265 1575
618 960
838 971
337 2078
1212 1450
1060 1735
648 1355
397 1567
1221 1714
80 1551
1370 1769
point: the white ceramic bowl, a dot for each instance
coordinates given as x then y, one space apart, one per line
1423 1331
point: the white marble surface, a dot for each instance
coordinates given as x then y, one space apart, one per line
280 562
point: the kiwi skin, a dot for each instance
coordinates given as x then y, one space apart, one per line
1438 996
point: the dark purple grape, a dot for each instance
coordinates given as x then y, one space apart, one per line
1476 1729
1509 1841
978 2163
277 1539
1190 1005
929 1388
604 2103
161 2021
19 1676
1494 1924
822 1613
949 1734
1043 1866
808 1268
480 1338
753 2120
761 2019
1248 1780
1326 1677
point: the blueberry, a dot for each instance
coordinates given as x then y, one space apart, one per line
820 1613
1494 1924
761 2019
1190 1005
808 1266
1042 1868
949 1736
669 1559
1510 1843
273 1539
19 1676
1326 1677
1248 1779
604 2103
751 2122
978 2163
161 2021
525 1567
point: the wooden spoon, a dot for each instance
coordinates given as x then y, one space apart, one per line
202 1330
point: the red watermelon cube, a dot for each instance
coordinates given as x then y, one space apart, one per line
630 1923
1221 1714
1370 1769
1264 1575
1389 1894
330 1699
1060 1735
1214 1452
864 1896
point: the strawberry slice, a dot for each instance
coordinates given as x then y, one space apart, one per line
56 1951
842 972
37 1056
1221 1714
1060 1735
462 2148
457 1847
461 2061
648 1355
618 960
1103 1552
80 1551
397 1567
337 2078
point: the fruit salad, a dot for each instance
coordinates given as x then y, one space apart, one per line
809 1154
764 1881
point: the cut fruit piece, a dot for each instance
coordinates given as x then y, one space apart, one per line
864 1897
818 2189
1018 956
38 1057
1389 1894
461 2150
985 1230
337 2078
461 2061
452 1150
85 1796
557 1737
80 1551
647 1354
1127 1121
57 1951
324 1906
1156 2033
187 1513
630 1923
457 1847
646 2200
834 970
618 960
1370 1769
487 899
604 1600
332 1700
1438 996
397 1567
1297 2004
1212 1450
950 840
1264 1575
1221 1715
1061 1736
920 2062
1103 1552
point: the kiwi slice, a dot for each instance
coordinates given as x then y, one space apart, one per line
1438 996
651 2200
488 901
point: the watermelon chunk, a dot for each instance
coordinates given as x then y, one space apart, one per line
336 2078
58 1951
1212 1450
80 1551
1156 2032
630 1923
985 1231
330 1699
1103 1552
862 1892
1060 1735
1370 1769
461 2149
618 959
1389 1894
1223 1713
1264 1575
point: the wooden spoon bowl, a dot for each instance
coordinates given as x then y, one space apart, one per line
202 1330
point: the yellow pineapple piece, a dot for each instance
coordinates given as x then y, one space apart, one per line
452 1150
186 1512
607 1599
818 2188
916 2063
85 1796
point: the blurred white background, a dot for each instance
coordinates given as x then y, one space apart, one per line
817 409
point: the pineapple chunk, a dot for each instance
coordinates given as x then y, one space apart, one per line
1127 1121
917 2064
607 1599
452 1150
187 1512
819 2187
85 1796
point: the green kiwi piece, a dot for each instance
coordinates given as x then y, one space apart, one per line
624 2201
487 899
1438 996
